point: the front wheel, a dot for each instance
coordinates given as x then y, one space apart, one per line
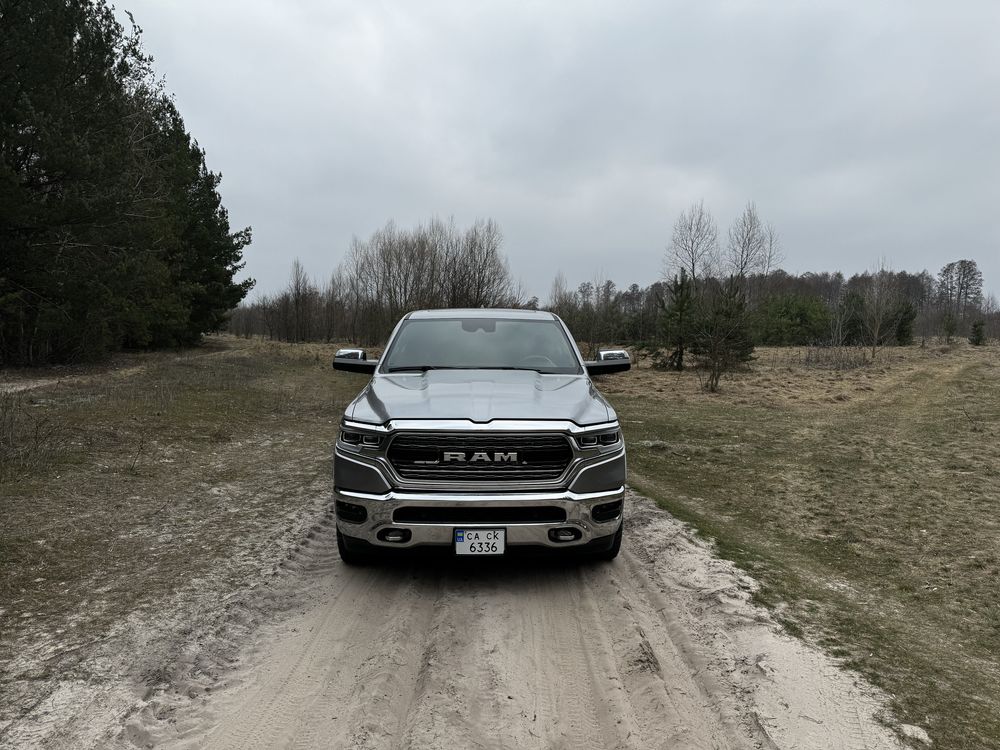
616 545
350 556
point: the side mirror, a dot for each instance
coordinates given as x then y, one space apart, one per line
351 354
605 354
355 364
607 366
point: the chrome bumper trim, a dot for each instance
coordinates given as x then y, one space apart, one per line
502 498
380 510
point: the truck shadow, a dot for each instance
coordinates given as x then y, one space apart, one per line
429 566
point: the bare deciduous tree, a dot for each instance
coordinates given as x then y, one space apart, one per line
960 289
302 294
991 311
772 250
382 278
840 317
560 298
480 275
694 243
881 298
748 249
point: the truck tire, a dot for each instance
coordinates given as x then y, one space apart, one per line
350 556
612 552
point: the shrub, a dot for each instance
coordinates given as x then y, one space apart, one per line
26 439
978 335
722 338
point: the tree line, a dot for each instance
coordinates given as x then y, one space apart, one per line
396 270
721 295
877 307
112 230
822 309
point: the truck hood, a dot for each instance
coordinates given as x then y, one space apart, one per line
480 396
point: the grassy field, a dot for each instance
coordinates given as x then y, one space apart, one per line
169 477
867 502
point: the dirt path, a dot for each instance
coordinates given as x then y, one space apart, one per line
121 366
660 649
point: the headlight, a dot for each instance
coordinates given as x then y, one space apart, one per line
609 438
350 437
604 439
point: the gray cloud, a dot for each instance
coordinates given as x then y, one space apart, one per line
862 130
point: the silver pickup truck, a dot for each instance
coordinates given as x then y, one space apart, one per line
481 433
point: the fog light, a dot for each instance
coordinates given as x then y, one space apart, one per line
396 536
606 511
350 512
566 534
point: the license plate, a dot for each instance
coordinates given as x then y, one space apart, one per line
480 541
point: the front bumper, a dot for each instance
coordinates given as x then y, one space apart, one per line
380 511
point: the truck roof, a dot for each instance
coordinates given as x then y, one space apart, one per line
481 312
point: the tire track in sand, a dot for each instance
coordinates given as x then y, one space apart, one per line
660 649
313 654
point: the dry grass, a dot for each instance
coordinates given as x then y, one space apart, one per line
27 440
867 500
177 472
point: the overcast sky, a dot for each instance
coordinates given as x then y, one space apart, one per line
861 130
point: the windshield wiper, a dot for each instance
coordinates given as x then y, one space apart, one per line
522 369
420 368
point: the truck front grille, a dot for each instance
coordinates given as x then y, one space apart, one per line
486 458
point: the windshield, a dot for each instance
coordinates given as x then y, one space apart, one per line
481 343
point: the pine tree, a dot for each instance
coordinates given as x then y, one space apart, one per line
677 318
978 335
112 232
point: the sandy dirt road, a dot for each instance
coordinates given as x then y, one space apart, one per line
660 649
